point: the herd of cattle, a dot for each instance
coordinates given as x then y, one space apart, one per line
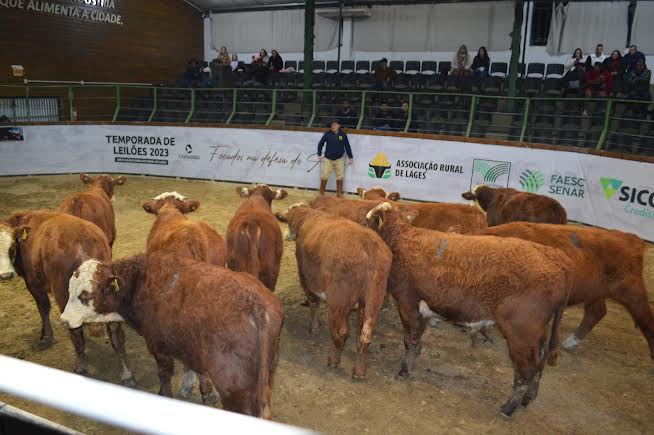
508 260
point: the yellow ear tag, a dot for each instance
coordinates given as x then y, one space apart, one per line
23 236
381 221
115 285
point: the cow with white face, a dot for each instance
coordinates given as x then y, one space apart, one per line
45 247
377 192
254 240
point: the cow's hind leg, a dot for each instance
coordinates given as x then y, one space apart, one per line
77 337
188 383
414 326
117 336
43 305
593 313
339 330
209 396
368 316
166 366
634 299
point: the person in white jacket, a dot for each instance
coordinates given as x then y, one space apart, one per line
461 62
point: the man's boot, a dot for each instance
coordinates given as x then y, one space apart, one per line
323 185
339 188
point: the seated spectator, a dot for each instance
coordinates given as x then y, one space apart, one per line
258 71
636 82
614 65
264 56
384 119
575 80
276 64
383 76
346 115
234 63
481 63
192 76
402 116
461 62
223 56
576 57
592 59
632 57
598 81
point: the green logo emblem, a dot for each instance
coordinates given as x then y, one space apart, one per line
380 167
531 181
490 172
610 186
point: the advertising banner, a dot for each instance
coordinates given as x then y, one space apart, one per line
601 191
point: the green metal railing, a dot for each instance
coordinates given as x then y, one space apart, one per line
602 124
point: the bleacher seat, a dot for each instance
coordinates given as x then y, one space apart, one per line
498 69
412 67
347 66
332 66
373 65
428 67
554 69
362 67
318 66
397 65
553 87
290 64
536 70
444 67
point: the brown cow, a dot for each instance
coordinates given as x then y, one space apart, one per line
607 264
430 215
254 240
377 192
174 232
94 205
504 205
220 323
345 265
477 281
46 247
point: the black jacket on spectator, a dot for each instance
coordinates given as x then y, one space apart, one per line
478 62
337 145
382 119
276 63
348 119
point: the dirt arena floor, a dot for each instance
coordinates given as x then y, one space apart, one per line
605 386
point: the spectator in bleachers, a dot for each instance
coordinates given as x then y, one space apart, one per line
615 65
275 63
636 82
192 76
223 56
577 56
383 76
592 59
384 119
632 56
403 116
264 56
461 62
481 63
346 115
575 80
258 71
598 81
234 63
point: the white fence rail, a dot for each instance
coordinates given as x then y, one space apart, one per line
125 408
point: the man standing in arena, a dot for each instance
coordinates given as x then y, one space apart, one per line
332 161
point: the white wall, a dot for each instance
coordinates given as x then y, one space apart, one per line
533 53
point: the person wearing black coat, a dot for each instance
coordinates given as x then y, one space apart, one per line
481 63
276 63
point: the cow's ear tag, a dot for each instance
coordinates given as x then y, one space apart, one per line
115 285
23 235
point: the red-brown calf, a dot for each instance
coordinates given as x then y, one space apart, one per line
219 323
377 192
476 281
254 240
345 265
95 204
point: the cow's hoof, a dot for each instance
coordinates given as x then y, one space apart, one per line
81 369
507 410
211 399
186 393
571 342
358 377
128 382
45 342
304 303
403 373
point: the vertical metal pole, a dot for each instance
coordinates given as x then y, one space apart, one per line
518 6
340 31
309 24
607 122
273 109
473 105
363 108
70 103
313 107
117 104
28 105
192 111
154 105
524 120
408 118
233 107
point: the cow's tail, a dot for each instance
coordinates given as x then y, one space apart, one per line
375 293
267 334
248 246
553 349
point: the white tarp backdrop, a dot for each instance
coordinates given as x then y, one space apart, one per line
606 192
642 31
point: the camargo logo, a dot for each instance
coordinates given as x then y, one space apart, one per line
380 167
638 201
531 181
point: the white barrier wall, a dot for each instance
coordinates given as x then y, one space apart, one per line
605 192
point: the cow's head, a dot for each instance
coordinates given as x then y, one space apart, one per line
104 182
293 216
10 238
479 196
262 190
376 217
93 295
168 200
377 192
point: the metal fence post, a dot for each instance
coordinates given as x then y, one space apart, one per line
192 111
473 105
117 104
70 103
28 106
233 107
154 105
273 108
607 122
363 108
525 116
313 107
410 115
